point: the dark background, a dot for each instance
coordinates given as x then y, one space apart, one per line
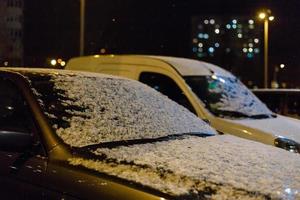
149 27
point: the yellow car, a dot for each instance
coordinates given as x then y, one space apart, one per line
210 92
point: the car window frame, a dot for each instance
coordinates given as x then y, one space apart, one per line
34 126
191 106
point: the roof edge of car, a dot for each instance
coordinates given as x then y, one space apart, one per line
161 58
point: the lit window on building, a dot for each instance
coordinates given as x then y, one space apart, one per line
218 37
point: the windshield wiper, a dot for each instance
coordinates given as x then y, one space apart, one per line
243 115
263 116
230 113
116 144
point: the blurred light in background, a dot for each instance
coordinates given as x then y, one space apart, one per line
271 18
53 62
102 50
57 62
262 15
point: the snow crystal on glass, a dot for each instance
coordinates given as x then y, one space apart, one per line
236 97
114 109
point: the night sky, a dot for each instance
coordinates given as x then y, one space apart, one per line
148 27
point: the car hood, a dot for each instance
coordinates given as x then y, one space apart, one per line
217 167
280 126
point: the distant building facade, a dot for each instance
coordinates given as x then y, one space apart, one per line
11 32
234 43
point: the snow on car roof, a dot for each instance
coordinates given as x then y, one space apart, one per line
113 109
51 71
191 67
226 167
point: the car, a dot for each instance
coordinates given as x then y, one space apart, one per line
76 135
281 100
212 93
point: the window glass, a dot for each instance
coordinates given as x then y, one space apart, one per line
166 86
227 97
14 114
274 101
293 106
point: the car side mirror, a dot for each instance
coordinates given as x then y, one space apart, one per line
14 141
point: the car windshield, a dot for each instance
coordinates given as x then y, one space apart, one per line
227 97
86 109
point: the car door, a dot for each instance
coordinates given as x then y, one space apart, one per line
22 158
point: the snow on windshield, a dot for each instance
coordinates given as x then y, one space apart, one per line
226 167
234 96
226 96
101 108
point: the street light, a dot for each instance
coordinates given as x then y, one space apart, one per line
266 16
82 19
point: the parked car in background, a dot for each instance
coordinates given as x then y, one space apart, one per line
281 101
209 91
75 135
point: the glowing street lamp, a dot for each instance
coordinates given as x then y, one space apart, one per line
266 16
262 15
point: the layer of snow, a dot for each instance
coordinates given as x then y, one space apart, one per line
190 67
235 168
280 126
115 109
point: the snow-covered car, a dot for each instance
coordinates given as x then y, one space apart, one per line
76 135
209 91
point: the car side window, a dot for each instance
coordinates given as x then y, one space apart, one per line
275 102
166 86
16 118
292 104
13 109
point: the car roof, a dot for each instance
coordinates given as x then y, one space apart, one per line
184 66
192 67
